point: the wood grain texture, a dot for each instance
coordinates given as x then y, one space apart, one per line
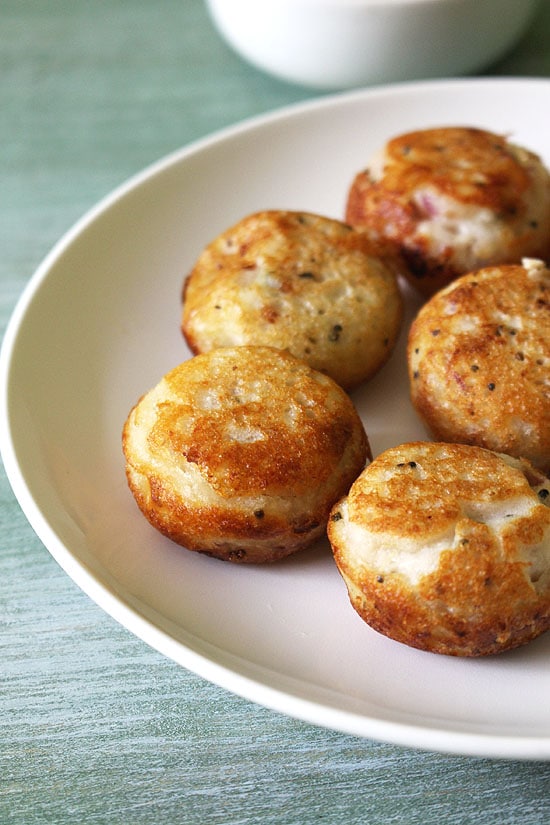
95 727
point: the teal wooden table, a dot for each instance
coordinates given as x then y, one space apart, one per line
96 727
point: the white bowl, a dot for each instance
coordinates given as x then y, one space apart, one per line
337 44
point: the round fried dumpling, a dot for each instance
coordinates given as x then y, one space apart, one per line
479 361
300 282
451 200
446 548
241 452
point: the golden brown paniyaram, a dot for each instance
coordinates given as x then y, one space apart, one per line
446 548
479 361
241 452
296 281
451 200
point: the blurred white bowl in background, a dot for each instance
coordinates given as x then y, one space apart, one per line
338 44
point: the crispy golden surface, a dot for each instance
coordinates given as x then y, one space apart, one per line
451 200
241 453
300 282
479 361
446 547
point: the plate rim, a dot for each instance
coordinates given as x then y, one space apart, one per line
440 739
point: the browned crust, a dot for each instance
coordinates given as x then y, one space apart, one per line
272 450
372 208
486 383
483 597
416 621
283 459
225 533
300 282
473 167
470 165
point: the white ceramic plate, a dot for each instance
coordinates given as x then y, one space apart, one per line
99 324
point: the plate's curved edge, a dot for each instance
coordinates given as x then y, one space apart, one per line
134 181
196 146
419 737
408 735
